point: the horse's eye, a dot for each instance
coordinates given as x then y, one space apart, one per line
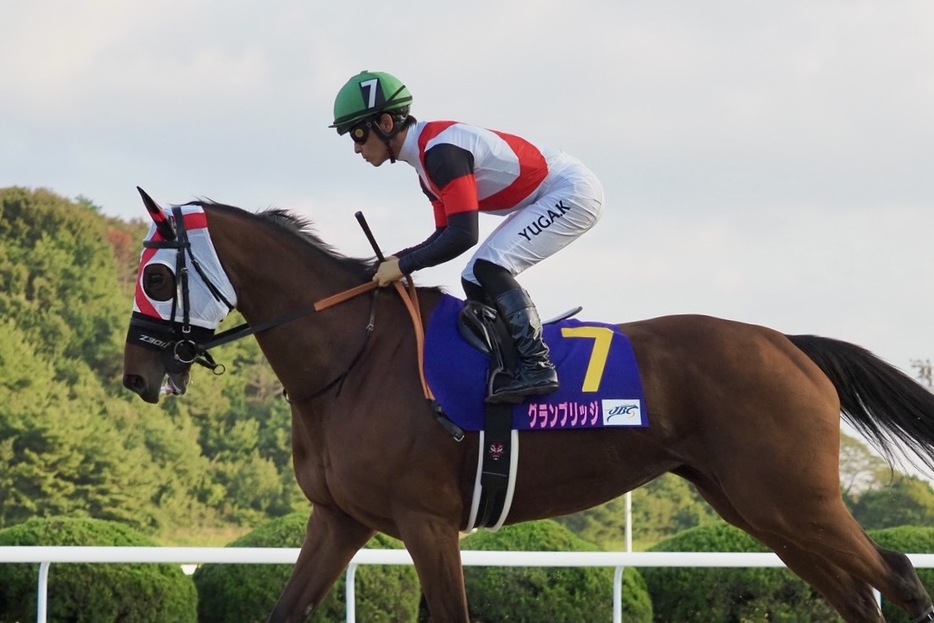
158 282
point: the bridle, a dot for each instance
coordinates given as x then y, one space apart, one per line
183 344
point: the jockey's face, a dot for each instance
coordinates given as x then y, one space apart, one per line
368 143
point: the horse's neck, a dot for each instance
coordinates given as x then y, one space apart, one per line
271 269
276 277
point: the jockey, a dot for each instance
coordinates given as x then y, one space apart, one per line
547 197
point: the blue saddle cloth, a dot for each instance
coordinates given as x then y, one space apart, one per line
600 381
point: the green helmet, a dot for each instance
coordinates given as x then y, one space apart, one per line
367 94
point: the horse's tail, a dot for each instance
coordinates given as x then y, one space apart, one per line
887 406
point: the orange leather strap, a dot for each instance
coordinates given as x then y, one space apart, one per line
346 295
410 298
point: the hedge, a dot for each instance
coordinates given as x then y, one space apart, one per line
713 595
554 594
247 592
137 593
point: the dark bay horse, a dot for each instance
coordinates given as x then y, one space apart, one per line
749 416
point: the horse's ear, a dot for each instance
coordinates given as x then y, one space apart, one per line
159 217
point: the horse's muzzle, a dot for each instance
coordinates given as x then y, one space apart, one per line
138 385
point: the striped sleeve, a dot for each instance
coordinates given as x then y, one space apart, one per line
450 169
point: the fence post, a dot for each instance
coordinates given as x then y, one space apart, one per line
43 600
349 593
618 595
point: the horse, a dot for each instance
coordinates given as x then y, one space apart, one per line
749 416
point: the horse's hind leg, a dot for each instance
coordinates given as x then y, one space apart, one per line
909 593
856 575
850 596
828 540
823 526
331 540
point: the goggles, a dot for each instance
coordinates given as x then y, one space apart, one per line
361 132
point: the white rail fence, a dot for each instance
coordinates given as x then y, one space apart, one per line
46 556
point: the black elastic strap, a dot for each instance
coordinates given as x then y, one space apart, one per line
497 452
246 330
213 289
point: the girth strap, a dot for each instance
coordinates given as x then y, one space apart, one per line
498 460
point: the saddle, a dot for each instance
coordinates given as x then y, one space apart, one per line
481 327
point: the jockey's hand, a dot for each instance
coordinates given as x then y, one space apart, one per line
388 272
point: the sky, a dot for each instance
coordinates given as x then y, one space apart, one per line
771 163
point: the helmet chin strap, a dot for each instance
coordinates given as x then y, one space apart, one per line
390 151
387 137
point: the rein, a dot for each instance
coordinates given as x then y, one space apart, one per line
410 298
183 344
340 378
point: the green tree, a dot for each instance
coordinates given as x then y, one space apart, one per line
60 455
905 501
72 440
860 468
60 271
243 427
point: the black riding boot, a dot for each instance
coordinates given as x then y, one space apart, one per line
535 373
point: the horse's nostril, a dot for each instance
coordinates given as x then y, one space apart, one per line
134 382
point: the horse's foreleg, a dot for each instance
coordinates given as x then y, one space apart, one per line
331 540
434 545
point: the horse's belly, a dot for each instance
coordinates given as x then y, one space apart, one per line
568 471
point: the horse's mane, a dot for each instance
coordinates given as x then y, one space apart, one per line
303 228
300 228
